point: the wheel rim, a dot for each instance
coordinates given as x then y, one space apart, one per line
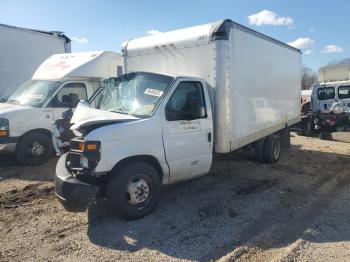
138 191
36 150
277 149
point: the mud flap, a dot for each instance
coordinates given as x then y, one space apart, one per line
285 136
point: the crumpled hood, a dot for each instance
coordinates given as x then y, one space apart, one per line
84 116
6 108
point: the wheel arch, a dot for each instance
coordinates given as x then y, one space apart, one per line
43 131
152 160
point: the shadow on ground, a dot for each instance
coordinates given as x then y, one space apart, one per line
206 218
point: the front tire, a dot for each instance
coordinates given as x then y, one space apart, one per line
134 191
33 149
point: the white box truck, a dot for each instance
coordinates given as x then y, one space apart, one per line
22 50
60 82
186 95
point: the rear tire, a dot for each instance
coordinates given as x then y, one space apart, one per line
134 191
33 149
272 149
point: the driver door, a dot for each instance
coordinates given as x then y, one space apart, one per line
188 131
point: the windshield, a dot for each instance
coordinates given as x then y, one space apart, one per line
134 93
33 92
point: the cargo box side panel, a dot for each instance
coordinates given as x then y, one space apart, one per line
264 87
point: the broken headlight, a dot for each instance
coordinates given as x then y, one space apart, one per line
4 127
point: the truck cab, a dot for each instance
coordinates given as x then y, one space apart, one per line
142 118
26 118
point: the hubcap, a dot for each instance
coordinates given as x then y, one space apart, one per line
276 151
138 191
37 149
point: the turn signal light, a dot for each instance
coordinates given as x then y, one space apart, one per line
3 133
91 147
85 146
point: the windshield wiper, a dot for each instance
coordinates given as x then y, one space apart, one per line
12 101
119 112
140 116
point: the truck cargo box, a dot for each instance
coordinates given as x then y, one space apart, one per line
22 50
254 80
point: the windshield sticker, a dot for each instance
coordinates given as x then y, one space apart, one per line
35 96
153 92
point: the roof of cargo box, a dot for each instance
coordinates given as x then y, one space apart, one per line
57 34
334 73
219 30
99 64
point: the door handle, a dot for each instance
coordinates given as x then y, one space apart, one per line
209 137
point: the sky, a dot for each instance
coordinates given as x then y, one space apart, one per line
319 28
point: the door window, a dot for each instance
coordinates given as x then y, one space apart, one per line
186 103
69 95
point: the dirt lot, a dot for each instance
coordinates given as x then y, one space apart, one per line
296 210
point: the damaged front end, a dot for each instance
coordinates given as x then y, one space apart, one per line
84 120
76 182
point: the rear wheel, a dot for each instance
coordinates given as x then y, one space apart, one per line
33 149
272 149
134 191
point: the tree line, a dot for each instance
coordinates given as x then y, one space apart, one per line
309 76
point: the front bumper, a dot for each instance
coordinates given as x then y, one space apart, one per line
8 148
8 144
74 194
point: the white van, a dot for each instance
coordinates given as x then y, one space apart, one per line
332 89
186 95
328 108
59 83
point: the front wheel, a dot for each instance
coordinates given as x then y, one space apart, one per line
33 149
134 190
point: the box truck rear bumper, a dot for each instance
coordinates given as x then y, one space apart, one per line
74 194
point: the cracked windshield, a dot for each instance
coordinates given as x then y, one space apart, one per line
135 93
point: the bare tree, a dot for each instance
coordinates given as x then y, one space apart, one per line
340 62
308 77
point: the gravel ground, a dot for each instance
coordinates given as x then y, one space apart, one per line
296 210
